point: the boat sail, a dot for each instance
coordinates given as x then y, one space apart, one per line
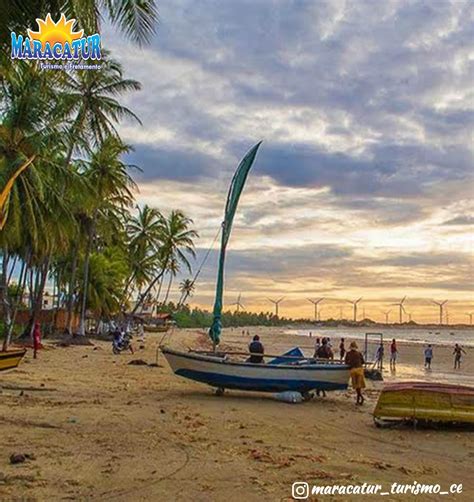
218 369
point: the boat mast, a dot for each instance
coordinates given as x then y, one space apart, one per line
235 190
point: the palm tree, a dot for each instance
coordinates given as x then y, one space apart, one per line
187 289
144 234
177 242
90 101
92 104
113 186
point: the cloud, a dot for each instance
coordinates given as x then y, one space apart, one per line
366 111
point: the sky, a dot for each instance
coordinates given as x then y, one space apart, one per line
364 183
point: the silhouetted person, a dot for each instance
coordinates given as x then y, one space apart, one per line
325 352
428 356
379 356
342 349
256 347
458 351
393 354
316 346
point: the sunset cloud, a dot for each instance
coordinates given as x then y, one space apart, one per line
364 182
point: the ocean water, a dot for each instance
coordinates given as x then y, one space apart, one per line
439 336
404 372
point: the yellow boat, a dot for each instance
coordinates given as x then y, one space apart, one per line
434 402
11 359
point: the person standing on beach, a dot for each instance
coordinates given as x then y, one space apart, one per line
36 339
355 360
379 356
393 354
428 356
342 349
255 348
325 351
316 347
458 350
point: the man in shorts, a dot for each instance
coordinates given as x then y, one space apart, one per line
428 356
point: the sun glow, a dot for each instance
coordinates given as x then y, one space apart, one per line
60 32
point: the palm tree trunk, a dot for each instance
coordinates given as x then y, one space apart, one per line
82 324
41 277
169 287
72 282
4 304
148 289
21 289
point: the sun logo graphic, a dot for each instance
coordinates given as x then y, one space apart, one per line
56 41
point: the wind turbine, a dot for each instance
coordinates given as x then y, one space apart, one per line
401 308
386 316
277 303
354 303
238 304
315 303
440 305
470 317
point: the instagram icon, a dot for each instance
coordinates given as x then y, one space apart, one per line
300 490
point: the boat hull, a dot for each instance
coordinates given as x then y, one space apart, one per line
426 401
219 373
10 359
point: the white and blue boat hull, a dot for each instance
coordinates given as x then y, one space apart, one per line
221 373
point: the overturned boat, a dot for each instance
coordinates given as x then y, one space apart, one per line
431 402
290 372
10 359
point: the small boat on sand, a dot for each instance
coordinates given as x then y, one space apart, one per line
10 359
290 372
219 370
434 402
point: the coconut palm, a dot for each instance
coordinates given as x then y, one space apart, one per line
108 174
186 288
177 243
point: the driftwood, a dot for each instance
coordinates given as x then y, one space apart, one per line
10 386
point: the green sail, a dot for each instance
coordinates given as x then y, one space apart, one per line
235 190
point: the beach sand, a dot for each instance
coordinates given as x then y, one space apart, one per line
101 429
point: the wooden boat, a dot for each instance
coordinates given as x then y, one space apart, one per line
425 401
151 328
11 359
287 372
218 370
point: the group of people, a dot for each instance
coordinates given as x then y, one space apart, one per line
323 350
457 353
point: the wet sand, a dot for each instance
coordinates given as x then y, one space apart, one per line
101 429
